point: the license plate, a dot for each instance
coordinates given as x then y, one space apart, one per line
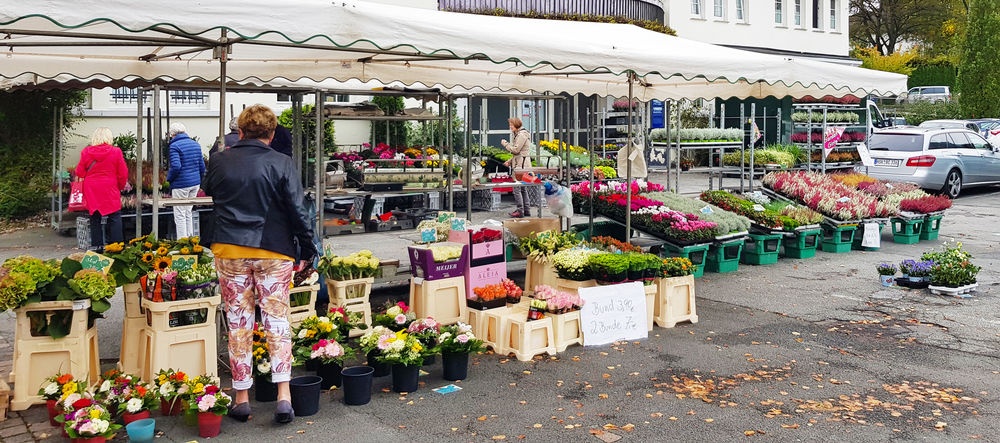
887 162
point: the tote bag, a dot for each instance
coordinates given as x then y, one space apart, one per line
76 201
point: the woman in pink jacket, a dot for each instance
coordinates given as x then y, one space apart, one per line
104 174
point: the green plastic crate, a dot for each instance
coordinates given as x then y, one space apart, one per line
906 231
859 237
838 239
803 245
724 256
931 227
695 253
761 249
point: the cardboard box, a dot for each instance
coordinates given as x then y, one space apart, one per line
479 276
422 263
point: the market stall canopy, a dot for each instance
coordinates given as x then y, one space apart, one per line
182 40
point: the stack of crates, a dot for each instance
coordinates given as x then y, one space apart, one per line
180 335
353 296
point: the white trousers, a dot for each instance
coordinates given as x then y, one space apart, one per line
182 214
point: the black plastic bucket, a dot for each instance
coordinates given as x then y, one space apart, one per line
357 384
305 392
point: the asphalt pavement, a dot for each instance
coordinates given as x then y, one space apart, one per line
802 350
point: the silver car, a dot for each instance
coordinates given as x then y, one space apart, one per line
945 160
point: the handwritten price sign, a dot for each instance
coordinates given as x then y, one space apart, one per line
614 312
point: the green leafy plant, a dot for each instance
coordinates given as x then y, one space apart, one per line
953 266
458 338
886 269
676 267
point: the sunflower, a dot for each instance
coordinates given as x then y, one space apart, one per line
162 263
195 240
147 245
147 257
185 250
114 247
197 249
162 250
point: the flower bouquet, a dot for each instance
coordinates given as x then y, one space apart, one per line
572 264
456 342
540 246
171 385
24 279
114 388
514 291
488 297
345 321
57 388
608 268
370 343
675 267
137 402
309 333
394 316
426 331
132 260
210 404
264 389
401 348
89 420
558 302
361 264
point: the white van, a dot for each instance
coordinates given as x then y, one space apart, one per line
933 94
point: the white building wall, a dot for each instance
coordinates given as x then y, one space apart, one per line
759 28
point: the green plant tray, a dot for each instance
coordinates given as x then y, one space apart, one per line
803 245
931 227
601 229
838 239
761 249
904 239
906 227
695 253
724 257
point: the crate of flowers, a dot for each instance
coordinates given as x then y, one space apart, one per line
438 260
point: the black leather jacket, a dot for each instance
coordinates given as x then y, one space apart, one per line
258 200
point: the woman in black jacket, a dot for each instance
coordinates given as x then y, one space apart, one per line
261 230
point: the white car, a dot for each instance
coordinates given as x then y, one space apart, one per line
945 160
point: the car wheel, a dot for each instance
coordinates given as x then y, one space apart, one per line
952 184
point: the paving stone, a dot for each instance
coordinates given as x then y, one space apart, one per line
20 438
12 431
11 421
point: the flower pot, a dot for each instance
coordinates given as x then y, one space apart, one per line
98 439
312 365
141 431
129 417
405 378
264 390
886 280
330 372
605 278
381 369
53 408
357 385
305 392
430 360
635 275
170 407
209 424
455 365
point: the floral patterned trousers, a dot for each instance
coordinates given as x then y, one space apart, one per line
247 283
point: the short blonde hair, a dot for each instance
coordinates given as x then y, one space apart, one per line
515 122
102 136
257 122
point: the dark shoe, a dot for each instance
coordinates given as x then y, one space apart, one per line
240 412
516 214
527 213
284 412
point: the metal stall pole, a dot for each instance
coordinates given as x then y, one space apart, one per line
467 175
753 118
592 134
55 220
319 173
451 153
222 53
140 93
297 154
155 137
743 122
628 161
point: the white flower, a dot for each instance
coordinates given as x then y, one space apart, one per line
134 405
166 389
70 399
397 345
206 403
105 386
100 425
264 367
302 333
394 311
51 388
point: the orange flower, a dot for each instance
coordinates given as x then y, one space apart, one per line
63 379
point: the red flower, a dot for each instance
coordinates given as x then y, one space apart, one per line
211 389
82 403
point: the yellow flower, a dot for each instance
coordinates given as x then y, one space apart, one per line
69 387
198 388
147 245
195 240
197 249
114 247
162 250
185 250
95 413
147 257
162 263
417 347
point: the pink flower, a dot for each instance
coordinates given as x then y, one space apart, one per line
462 338
400 319
206 402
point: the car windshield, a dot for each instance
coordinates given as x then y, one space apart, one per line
941 124
896 142
988 125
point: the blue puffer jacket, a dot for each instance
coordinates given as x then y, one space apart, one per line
187 166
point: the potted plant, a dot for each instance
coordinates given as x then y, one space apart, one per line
609 268
953 269
917 273
89 422
676 267
57 388
329 355
137 402
456 342
264 389
886 272
395 316
426 331
307 336
572 264
686 163
369 343
636 266
405 354
172 385
210 404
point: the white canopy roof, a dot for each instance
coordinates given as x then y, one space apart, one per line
180 40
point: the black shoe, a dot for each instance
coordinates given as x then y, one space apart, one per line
284 412
240 412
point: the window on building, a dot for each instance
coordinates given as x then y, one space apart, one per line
833 15
817 14
741 14
779 12
126 95
719 9
696 7
797 13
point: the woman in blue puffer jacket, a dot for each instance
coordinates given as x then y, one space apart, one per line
187 166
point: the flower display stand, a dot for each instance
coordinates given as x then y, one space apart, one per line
4 399
537 273
566 330
573 286
906 230
838 238
443 299
960 292
478 319
132 326
675 301
35 357
761 249
348 292
651 291
528 338
300 311
168 343
695 253
724 256
802 244
366 317
931 227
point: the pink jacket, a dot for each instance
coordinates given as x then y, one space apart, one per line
104 181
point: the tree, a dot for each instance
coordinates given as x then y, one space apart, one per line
977 79
886 24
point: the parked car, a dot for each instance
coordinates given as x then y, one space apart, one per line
937 159
989 128
933 94
956 124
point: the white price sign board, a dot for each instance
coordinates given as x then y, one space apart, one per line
613 312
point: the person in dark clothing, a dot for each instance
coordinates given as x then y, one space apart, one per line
229 139
282 140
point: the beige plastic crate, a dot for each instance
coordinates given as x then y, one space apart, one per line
651 291
22 327
538 273
573 286
133 324
675 301
4 399
35 360
158 313
366 311
566 330
191 348
526 339
348 292
443 299
298 313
